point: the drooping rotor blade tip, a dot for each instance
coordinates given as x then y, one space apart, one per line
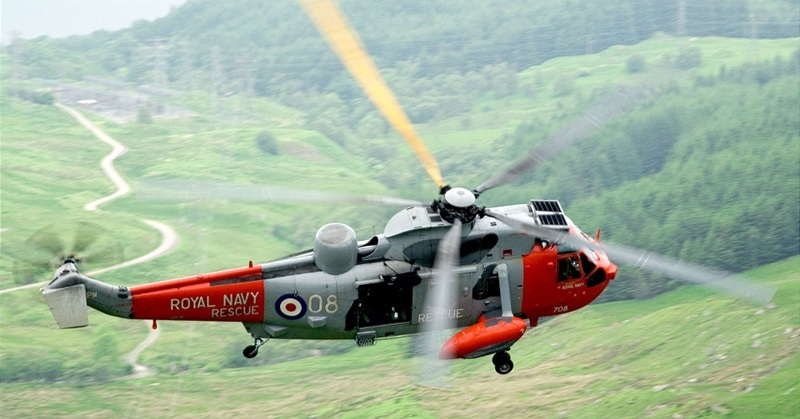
581 127
333 25
189 191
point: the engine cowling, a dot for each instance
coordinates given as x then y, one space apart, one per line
335 248
485 337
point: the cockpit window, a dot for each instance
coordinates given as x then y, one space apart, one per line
574 266
588 265
569 267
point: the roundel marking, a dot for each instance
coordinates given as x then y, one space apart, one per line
290 306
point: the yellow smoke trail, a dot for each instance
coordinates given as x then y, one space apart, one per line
344 41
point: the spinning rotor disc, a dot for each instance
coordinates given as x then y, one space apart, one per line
87 243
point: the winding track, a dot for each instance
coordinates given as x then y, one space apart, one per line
168 241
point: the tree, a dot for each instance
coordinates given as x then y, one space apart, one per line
144 116
689 57
636 64
267 143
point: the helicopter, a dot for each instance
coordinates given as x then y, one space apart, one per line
491 272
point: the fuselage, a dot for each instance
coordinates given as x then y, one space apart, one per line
383 293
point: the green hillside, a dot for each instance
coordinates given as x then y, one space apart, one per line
723 117
686 352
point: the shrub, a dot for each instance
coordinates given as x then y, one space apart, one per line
689 57
144 116
636 64
267 143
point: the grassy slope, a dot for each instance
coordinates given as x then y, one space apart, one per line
686 352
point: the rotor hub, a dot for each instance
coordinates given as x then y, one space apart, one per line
457 204
459 197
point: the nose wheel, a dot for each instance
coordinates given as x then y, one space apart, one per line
502 362
250 351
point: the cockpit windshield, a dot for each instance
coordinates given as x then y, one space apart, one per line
575 264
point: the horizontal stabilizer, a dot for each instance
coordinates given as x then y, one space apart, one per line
68 306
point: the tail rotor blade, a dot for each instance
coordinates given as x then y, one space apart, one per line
48 239
86 234
719 281
46 248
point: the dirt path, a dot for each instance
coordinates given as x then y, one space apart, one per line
168 236
117 150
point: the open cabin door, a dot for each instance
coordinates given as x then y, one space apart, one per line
386 301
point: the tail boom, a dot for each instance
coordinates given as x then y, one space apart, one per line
236 295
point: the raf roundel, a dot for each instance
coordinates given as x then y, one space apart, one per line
290 306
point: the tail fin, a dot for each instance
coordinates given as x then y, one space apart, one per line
70 292
68 305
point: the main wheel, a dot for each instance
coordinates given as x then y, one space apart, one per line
502 362
250 351
504 367
500 357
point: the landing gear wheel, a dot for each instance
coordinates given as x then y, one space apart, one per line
502 362
250 351
504 368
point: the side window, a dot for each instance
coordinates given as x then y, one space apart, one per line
488 285
569 267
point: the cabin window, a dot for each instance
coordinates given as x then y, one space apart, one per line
488 285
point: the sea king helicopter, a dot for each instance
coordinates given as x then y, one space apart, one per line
493 273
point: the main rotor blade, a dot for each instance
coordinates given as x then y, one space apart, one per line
439 303
333 25
578 129
187 191
720 281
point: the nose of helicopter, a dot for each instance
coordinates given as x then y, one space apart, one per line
611 271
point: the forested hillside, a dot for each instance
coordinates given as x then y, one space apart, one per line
441 55
711 176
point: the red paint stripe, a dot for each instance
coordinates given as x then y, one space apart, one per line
237 302
254 271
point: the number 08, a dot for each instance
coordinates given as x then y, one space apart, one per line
315 304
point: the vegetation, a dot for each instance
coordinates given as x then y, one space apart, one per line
457 51
267 143
636 63
686 353
705 169
143 116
